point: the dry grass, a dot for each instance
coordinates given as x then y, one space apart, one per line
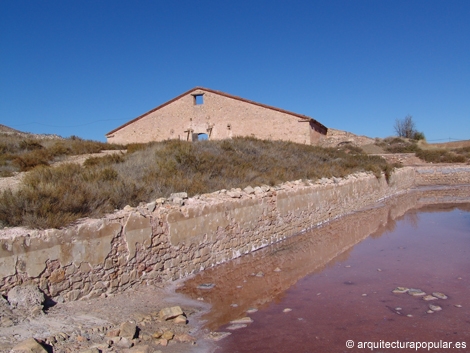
435 153
56 196
21 152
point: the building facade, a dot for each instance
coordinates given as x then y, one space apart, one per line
203 113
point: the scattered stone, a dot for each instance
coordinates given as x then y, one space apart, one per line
139 349
236 326
287 310
170 313
440 295
206 286
398 309
128 329
364 295
25 297
168 335
124 343
90 350
400 290
435 307
430 312
28 346
113 332
217 336
429 297
260 274
252 310
243 320
234 305
157 335
379 270
184 338
277 269
458 305
347 266
180 319
409 315
162 342
415 292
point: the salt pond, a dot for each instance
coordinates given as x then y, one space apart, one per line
315 291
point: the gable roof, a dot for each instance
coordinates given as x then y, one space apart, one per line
307 118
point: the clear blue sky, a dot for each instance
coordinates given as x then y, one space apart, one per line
84 67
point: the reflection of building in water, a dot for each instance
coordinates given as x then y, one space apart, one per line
301 255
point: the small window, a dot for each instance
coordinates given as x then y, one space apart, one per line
198 99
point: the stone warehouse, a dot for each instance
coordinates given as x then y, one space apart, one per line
202 113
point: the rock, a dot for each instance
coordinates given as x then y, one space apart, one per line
170 313
184 338
249 190
90 350
206 286
416 292
400 290
252 310
429 297
439 295
168 335
430 312
217 336
180 319
243 320
287 310
181 195
113 332
28 346
236 326
398 309
163 342
435 307
124 343
128 330
151 206
260 274
277 269
139 349
458 305
25 296
234 194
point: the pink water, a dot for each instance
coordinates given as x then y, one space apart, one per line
338 282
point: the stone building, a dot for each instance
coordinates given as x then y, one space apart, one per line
202 113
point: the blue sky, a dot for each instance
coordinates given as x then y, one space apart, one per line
85 67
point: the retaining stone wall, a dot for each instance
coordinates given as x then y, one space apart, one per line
160 242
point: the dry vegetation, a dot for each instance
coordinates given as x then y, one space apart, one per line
56 196
20 152
428 153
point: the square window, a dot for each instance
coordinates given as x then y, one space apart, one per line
198 99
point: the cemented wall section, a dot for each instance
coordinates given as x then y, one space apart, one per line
164 242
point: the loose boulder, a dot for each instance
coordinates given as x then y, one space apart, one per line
25 297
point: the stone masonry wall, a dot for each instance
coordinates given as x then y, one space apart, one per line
164 241
220 117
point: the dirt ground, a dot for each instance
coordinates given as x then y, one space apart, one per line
87 324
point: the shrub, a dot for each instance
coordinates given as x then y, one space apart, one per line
55 196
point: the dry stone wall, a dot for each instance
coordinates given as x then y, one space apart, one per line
171 239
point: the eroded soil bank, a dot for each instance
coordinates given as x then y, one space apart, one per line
315 291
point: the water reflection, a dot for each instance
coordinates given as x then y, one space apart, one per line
257 279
